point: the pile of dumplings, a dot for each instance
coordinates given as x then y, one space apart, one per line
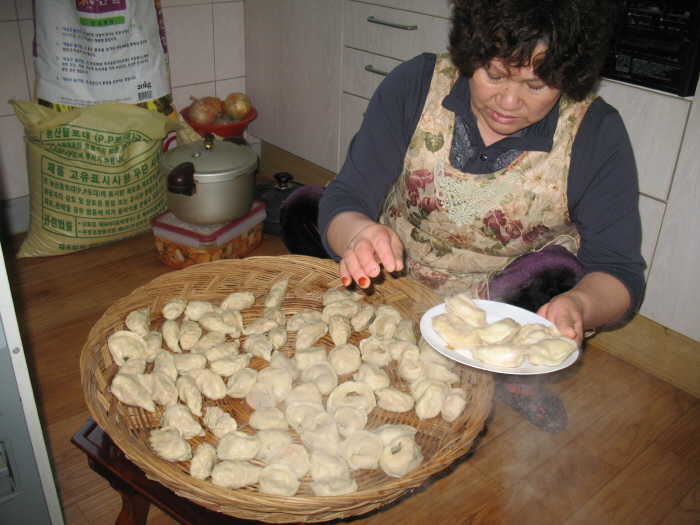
305 422
503 343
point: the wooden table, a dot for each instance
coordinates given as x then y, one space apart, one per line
136 490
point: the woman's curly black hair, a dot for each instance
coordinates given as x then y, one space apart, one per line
576 34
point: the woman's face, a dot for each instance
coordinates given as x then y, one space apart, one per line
506 100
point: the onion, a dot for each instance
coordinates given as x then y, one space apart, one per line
237 105
200 112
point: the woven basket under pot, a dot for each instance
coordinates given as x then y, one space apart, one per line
441 442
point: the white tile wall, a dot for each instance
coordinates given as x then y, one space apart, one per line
206 49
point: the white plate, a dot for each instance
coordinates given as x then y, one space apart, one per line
494 312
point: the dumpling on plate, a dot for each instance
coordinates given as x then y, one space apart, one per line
463 308
506 355
456 333
551 352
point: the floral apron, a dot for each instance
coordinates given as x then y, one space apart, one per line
457 228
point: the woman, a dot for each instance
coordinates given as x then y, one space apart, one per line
494 170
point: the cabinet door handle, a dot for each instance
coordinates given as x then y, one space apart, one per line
391 24
372 69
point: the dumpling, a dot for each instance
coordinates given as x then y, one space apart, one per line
303 392
372 376
396 347
186 362
278 337
406 331
345 308
203 461
428 353
349 419
438 371
352 394
170 445
278 291
195 308
208 341
214 322
279 360
334 486
383 327
229 365
321 434
362 319
209 383
338 294
455 333
279 378
233 321
222 350
499 332
154 343
271 439
258 345
309 356
135 365
393 400
189 393
323 375
390 432
159 386
260 326
531 333
430 394
302 414
324 466
309 333
129 391
179 418
238 446
339 329
238 301
294 456
373 351
241 382
400 457
219 422
268 418
276 314
454 404
506 355
124 345
171 334
190 332
551 352
464 309
392 311
174 308
165 363
302 317
235 474
345 359
361 450
409 365
262 394
278 479
139 321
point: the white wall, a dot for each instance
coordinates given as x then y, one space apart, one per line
206 48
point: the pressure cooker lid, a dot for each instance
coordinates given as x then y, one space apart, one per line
214 160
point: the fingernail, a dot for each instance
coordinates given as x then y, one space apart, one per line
363 282
346 281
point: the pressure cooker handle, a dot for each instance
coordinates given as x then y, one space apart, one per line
181 179
283 179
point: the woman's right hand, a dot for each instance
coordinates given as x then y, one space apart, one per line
365 246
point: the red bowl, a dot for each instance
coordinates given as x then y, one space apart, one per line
234 129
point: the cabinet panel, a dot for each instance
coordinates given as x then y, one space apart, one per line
655 123
430 33
357 78
352 110
293 57
428 7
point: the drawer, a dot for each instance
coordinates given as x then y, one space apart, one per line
427 7
410 34
352 111
363 72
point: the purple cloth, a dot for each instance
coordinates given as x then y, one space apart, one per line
299 222
534 278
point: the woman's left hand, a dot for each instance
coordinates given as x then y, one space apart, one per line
567 313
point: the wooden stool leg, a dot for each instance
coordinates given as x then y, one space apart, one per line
134 509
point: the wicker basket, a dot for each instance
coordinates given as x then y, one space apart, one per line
129 427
